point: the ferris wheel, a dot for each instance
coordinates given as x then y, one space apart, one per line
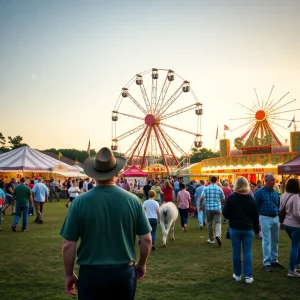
154 117
265 120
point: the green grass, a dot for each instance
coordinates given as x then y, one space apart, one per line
189 268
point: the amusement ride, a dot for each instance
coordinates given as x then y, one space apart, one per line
169 97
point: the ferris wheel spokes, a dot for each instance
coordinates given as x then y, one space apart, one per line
139 81
126 134
183 110
125 94
115 114
169 77
171 100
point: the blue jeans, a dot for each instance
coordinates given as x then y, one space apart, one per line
19 209
201 216
176 191
241 238
107 282
184 214
153 224
270 236
224 219
161 198
294 234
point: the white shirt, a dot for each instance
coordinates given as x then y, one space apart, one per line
151 208
85 186
73 191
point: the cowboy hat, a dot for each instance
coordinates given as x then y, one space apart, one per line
104 165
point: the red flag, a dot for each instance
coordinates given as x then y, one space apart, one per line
89 148
245 134
217 133
226 127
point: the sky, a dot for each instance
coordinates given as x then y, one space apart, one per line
63 64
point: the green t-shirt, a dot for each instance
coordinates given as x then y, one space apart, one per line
157 190
107 220
22 194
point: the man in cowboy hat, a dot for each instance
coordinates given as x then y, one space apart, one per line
106 219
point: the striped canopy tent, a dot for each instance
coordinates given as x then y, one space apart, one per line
25 159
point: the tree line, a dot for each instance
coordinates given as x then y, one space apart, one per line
196 154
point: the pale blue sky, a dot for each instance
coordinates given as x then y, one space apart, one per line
63 63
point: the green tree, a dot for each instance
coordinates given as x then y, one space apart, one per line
198 155
2 139
80 155
16 142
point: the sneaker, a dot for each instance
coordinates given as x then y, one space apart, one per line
277 264
297 268
24 230
211 242
267 268
249 279
14 227
293 274
237 278
184 228
219 241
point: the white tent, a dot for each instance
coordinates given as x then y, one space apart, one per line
26 159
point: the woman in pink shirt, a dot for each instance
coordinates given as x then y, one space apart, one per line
290 201
183 202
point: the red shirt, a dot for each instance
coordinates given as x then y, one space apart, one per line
168 194
227 191
30 185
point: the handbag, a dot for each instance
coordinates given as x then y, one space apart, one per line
282 212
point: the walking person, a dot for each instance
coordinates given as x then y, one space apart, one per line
176 187
106 220
23 197
227 192
183 203
213 197
9 189
2 201
73 192
146 189
167 192
156 188
201 213
268 201
290 202
53 190
242 212
152 212
30 184
40 196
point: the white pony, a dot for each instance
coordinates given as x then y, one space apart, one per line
168 215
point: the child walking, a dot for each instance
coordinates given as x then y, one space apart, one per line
151 207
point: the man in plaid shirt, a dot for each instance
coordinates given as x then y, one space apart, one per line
213 195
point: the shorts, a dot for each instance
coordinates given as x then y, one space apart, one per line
8 199
71 198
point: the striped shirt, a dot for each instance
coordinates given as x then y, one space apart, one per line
213 195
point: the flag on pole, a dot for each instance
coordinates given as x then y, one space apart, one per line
59 155
89 148
226 127
245 134
291 122
217 133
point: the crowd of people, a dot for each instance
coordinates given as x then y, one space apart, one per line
105 219
26 197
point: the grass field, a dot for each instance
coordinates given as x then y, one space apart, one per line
189 268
